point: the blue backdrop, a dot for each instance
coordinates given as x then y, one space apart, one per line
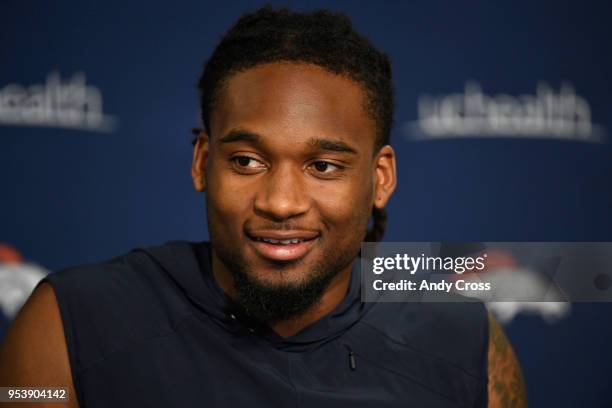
118 181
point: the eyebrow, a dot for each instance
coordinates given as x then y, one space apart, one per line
331 145
240 135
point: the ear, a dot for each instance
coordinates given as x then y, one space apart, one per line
385 176
200 158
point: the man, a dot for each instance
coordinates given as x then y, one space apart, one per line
294 157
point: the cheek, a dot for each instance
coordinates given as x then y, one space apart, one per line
348 205
227 201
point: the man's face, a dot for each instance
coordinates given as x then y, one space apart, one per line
290 173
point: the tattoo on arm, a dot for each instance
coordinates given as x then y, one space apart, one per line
506 384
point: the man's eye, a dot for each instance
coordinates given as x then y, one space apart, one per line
247 162
325 167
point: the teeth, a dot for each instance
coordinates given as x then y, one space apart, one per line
281 241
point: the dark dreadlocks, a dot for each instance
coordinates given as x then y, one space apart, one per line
322 38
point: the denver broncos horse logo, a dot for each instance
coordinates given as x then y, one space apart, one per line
17 280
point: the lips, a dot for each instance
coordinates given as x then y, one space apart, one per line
283 246
280 241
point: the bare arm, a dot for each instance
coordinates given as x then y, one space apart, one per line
34 350
506 385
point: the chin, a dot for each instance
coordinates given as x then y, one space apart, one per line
281 276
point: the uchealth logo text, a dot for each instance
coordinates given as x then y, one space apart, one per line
58 103
548 113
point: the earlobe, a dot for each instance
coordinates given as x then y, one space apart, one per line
200 158
385 176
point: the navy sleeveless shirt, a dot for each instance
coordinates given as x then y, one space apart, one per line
153 329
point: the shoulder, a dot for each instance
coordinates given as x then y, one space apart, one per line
111 275
442 345
122 282
463 320
455 332
106 306
34 351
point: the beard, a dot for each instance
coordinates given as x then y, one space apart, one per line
272 302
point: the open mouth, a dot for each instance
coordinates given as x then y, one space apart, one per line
283 246
279 241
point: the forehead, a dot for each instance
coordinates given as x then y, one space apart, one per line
293 101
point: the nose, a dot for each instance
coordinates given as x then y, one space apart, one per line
282 194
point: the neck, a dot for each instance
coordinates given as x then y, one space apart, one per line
331 297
